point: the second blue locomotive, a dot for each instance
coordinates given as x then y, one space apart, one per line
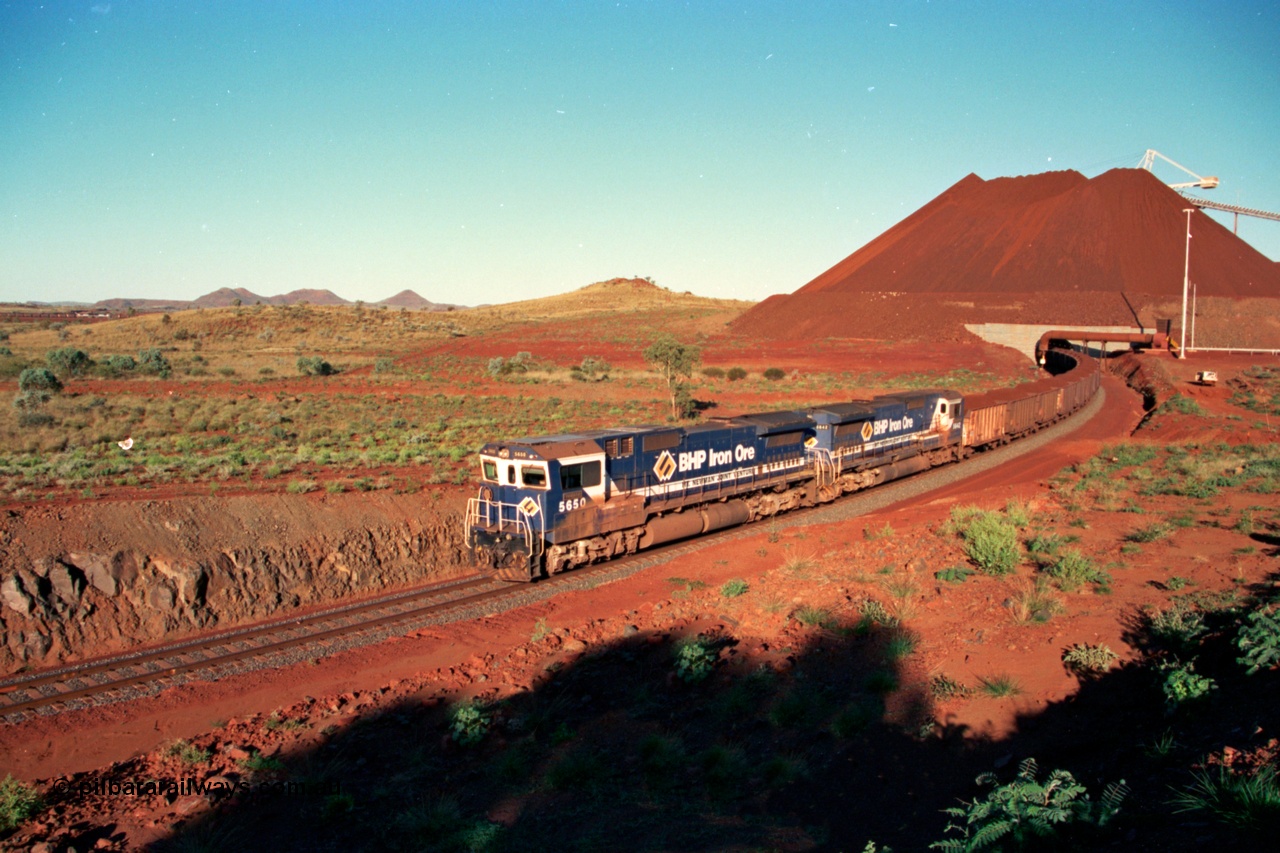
549 503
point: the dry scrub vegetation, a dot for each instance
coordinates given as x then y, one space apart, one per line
304 398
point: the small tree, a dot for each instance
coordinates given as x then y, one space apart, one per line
35 386
315 366
674 361
153 361
68 361
38 379
114 365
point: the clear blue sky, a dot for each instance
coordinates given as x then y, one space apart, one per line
493 151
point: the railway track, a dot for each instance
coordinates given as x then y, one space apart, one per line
283 641
131 673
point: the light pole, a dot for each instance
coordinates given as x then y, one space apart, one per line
1186 276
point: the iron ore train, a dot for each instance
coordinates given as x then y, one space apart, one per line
551 503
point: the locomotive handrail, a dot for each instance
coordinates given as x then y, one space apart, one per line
825 469
482 512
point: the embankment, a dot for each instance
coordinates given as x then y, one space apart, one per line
90 578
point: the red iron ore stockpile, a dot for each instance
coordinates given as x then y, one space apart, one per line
1050 248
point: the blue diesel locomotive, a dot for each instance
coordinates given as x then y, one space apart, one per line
551 503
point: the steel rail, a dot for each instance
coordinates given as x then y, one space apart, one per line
210 652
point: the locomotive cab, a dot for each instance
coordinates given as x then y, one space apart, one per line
534 492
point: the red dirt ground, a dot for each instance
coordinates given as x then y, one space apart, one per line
965 630
43 748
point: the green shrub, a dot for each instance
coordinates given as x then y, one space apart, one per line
1182 405
39 380
69 361
188 753
114 365
662 759
521 362
1247 801
943 687
683 403
579 769
881 682
735 373
257 762
1073 570
724 769
900 645
1000 686
875 613
1259 641
1179 627
773 374
1027 809
954 574
18 802
1043 548
1085 658
469 723
854 719
814 617
591 370
1018 513
991 542
1151 533
713 372
314 366
734 588
153 361
1128 455
886 532
31 418
1182 684
440 825
695 659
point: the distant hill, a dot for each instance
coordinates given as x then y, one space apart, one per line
225 297
313 297
616 294
412 301
143 304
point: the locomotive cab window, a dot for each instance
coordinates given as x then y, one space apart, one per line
490 469
511 475
583 475
533 476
